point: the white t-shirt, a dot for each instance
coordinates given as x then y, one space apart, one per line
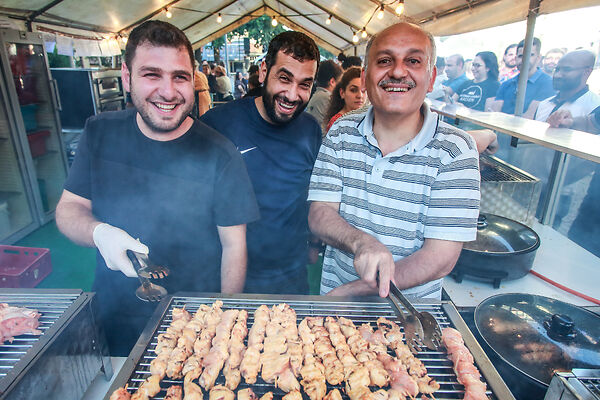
581 107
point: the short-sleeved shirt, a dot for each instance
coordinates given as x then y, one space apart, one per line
539 87
171 195
427 189
279 159
580 105
455 83
317 106
473 95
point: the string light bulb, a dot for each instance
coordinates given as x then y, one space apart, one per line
400 7
168 13
328 20
219 18
274 21
355 38
364 32
381 12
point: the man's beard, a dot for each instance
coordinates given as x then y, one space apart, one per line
269 102
143 108
561 84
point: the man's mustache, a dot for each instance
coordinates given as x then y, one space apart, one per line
411 84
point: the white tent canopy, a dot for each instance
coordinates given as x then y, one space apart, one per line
197 18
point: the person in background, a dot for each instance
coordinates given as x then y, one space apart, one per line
279 143
539 85
327 76
223 86
349 61
201 92
438 91
253 70
473 94
240 87
551 59
394 191
254 86
347 96
210 76
455 70
509 68
153 180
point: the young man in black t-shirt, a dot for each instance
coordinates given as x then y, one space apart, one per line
153 180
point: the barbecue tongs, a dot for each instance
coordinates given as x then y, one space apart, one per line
146 270
420 328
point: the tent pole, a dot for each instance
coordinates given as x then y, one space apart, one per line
524 75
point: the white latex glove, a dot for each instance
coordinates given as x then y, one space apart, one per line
113 244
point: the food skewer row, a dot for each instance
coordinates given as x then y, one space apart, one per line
219 352
466 372
275 358
359 346
312 371
250 365
334 370
231 371
417 370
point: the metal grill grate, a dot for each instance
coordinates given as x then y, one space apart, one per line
51 306
493 171
593 385
438 366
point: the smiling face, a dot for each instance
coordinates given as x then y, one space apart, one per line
353 96
510 58
286 87
160 80
480 71
399 73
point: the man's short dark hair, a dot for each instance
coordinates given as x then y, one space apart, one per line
327 70
253 69
459 59
156 33
351 61
536 42
510 46
294 44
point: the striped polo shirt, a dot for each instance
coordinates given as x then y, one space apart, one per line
429 188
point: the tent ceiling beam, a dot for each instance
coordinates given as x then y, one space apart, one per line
315 22
147 17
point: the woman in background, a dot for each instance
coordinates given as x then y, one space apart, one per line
240 87
474 93
346 96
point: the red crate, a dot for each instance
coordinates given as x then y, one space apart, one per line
23 267
37 143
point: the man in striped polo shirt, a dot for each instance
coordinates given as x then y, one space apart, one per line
394 190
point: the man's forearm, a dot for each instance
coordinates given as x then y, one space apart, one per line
233 270
326 223
433 261
76 222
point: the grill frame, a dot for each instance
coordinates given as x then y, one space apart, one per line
59 349
359 309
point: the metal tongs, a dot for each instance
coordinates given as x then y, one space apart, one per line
420 328
146 270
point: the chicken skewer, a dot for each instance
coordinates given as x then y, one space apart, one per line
250 365
231 371
466 372
416 368
334 370
312 371
219 351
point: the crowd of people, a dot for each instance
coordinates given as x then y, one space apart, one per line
237 199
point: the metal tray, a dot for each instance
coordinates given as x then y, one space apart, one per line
359 309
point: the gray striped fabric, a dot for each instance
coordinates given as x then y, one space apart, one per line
429 188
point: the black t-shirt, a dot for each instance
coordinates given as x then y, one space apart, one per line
171 195
279 159
473 95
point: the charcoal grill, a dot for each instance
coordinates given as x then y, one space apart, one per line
65 358
360 310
